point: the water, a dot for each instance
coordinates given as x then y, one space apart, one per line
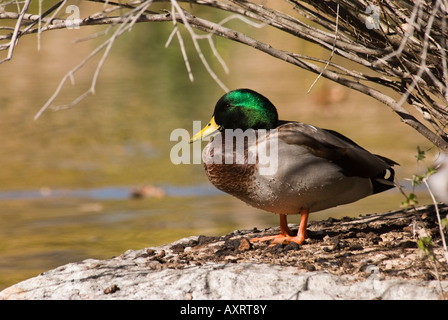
41 230
106 193
66 179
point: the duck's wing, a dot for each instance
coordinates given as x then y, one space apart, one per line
336 148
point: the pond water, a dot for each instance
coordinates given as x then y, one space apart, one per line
66 178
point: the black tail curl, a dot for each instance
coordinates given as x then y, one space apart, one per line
384 181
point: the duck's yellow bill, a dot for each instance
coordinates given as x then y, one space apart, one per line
208 130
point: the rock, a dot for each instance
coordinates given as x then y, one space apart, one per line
147 192
244 245
132 276
115 279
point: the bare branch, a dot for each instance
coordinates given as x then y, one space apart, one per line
194 37
15 34
127 24
181 43
404 52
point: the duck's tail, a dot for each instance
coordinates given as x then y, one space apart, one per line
385 180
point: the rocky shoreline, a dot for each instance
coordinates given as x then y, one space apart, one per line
370 257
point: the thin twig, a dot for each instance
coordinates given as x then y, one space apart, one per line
442 234
443 52
411 25
15 34
39 32
60 5
181 44
194 38
332 50
422 67
107 45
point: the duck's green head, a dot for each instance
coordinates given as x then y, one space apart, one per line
241 109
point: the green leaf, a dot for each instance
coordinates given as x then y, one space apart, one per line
416 180
411 200
444 222
424 246
430 171
420 154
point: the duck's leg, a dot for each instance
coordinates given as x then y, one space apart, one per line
285 232
301 233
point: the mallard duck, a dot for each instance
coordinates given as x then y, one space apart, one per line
316 168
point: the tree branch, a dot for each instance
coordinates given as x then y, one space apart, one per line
404 52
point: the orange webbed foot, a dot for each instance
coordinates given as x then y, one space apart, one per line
299 239
280 239
285 235
285 232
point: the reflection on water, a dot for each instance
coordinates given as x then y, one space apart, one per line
58 196
106 193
